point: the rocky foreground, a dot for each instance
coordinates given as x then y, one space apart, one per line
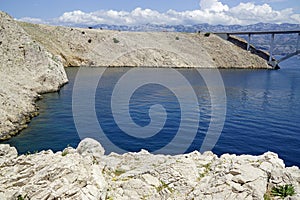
86 173
32 60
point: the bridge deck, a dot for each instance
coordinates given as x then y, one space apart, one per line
271 61
258 32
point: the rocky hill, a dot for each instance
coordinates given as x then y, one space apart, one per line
91 47
284 43
86 173
26 70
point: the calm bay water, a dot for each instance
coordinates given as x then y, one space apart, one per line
263 112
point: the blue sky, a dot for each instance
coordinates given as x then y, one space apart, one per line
187 11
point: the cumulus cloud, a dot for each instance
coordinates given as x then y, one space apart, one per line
213 6
250 13
210 11
32 20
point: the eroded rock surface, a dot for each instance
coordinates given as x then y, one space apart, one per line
26 70
85 173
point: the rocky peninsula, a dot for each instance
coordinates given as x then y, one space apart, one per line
32 61
89 47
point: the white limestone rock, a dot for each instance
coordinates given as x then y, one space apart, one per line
74 174
90 147
7 153
26 70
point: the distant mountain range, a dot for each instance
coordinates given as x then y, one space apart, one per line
201 27
284 43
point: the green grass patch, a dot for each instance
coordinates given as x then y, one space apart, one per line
283 191
163 186
118 172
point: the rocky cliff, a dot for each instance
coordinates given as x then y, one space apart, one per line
86 173
26 70
90 47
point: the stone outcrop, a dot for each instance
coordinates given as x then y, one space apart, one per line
26 70
90 47
86 173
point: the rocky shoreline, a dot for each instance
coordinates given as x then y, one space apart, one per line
86 173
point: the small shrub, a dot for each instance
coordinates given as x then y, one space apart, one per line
267 197
163 186
90 40
64 153
116 40
83 32
207 34
118 172
283 191
20 197
177 38
109 198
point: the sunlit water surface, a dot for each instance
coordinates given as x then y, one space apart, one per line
263 112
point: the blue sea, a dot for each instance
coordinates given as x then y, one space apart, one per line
175 110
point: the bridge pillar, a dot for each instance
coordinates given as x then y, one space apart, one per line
248 42
297 51
298 41
271 47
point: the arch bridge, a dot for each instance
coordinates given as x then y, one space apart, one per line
269 56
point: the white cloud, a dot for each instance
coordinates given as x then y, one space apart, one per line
210 11
272 1
79 17
213 5
32 20
250 13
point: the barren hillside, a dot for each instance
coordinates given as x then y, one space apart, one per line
91 47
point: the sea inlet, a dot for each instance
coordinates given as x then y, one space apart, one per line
262 114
